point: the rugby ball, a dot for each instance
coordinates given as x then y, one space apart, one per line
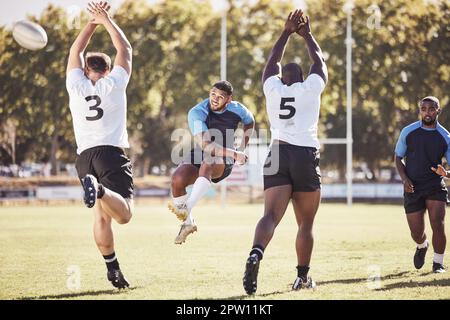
29 35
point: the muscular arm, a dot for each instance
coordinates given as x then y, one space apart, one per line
401 169
315 53
78 47
272 66
119 40
248 131
122 45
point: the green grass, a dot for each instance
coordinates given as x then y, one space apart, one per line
37 244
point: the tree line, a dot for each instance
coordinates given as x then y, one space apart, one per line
401 53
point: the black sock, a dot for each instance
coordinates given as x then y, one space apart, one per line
302 271
111 262
258 250
100 191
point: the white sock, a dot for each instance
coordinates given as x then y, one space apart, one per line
179 200
438 258
199 189
423 245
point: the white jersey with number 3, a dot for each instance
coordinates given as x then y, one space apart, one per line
294 110
99 111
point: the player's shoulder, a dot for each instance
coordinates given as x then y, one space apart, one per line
200 108
272 82
236 105
411 127
444 132
75 74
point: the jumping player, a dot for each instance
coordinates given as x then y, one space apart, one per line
212 123
98 107
292 166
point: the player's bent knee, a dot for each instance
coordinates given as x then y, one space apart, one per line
125 218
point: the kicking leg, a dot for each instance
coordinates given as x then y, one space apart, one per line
184 175
208 170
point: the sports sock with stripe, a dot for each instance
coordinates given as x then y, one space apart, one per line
111 262
258 251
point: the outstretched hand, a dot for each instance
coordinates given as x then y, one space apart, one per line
440 170
293 20
99 12
304 27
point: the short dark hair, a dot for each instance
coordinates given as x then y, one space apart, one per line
224 86
98 61
430 99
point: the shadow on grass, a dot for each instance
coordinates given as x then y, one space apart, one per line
343 281
356 280
246 296
79 294
414 284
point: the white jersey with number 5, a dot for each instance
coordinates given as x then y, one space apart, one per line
99 112
294 110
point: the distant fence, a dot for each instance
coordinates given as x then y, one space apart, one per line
330 192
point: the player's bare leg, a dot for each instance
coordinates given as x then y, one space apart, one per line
276 200
104 239
436 211
209 169
416 223
116 206
305 208
112 203
184 175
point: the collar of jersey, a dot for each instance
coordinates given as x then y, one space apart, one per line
217 112
429 129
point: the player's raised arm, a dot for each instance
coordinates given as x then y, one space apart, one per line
291 26
315 53
120 41
78 47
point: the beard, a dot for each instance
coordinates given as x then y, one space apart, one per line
429 122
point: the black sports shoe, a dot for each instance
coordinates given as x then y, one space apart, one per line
302 283
117 279
419 257
251 274
438 268
90 186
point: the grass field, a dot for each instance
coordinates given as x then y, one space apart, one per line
38 244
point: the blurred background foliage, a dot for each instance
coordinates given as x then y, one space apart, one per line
399 57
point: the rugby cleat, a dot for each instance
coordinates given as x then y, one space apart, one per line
438 268
185 230
251 274
180 211
302 283
117 279
90 186
419 257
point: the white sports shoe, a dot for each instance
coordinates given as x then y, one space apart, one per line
180 210
185 230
